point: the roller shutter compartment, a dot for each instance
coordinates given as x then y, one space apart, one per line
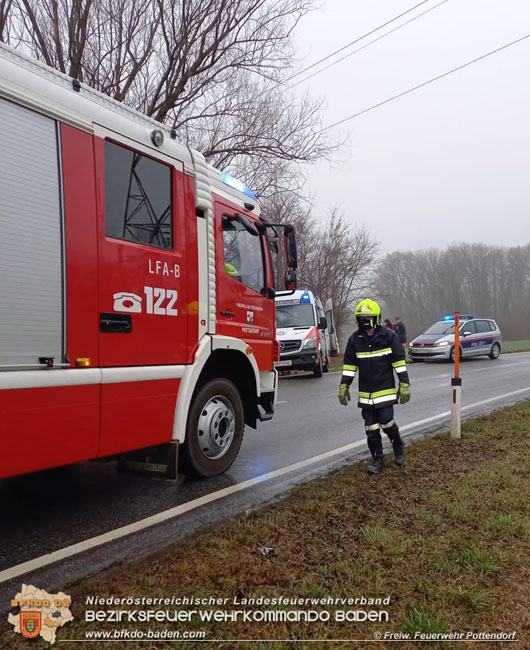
31 250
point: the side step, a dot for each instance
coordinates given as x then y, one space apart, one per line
159 462
266 406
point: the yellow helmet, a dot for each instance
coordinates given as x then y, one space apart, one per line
368 308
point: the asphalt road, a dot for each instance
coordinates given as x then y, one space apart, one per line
51 510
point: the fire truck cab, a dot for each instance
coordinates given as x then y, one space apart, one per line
136 287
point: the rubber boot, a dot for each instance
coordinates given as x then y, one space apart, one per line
375 445
398 446
400 454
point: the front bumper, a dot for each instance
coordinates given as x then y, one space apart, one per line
303 360
441 352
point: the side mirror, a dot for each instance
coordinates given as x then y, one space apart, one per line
466 333
289 279
269 292
323 325
290 247
247 224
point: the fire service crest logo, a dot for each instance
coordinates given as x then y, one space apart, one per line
41 613
30 624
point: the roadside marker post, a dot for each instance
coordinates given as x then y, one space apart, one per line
456 387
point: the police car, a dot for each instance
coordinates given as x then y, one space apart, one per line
478 336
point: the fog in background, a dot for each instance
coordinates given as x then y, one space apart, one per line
446 163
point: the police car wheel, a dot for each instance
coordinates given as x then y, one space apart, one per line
495 351
214 430
453 354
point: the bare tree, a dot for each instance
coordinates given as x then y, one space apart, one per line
5 8
212 69
335 261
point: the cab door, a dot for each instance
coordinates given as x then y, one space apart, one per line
243 309
142 237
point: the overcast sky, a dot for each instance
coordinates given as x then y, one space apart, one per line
448 162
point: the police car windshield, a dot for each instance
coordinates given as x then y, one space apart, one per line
441 328
295 315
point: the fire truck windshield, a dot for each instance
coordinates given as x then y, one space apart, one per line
299 315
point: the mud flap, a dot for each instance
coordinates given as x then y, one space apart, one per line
161 462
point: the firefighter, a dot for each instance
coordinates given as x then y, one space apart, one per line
376 353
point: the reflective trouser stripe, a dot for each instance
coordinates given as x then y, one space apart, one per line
401 369
388 424
347 366
398 364
348 373
371 427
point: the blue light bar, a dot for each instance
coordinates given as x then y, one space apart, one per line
237 185
305 298
462 317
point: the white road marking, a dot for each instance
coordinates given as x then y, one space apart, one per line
153 520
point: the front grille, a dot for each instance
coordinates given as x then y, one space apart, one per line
290 346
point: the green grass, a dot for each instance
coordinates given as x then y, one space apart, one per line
447 538
515 346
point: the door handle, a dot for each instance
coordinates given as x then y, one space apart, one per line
115 323
227 313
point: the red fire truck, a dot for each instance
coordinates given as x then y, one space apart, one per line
136 287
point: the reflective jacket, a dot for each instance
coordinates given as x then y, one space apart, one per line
376 358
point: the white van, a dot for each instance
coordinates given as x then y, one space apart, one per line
303 334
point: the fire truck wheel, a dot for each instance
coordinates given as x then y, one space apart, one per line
214 431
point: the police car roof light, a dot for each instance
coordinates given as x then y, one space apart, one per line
462 317
305 298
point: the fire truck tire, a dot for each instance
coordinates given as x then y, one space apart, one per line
214 430
318 369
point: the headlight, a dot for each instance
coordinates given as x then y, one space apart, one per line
310 343
440 343
411 344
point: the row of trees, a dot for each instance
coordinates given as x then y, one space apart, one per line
482 279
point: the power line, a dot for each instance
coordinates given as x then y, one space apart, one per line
360 38
425 83
368 44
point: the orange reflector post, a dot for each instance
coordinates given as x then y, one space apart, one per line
82 362
456 383
457 344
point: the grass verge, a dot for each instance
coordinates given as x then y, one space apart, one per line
446 539
515 346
